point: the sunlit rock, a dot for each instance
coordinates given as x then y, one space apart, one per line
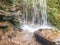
48 36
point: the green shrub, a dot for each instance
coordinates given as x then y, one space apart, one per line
53 9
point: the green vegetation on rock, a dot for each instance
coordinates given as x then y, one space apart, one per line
53 15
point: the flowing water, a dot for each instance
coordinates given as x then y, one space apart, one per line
43 6
25 13
36 13
38 18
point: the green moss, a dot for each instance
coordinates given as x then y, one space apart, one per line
53 10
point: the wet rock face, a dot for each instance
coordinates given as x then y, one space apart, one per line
48 36
1 17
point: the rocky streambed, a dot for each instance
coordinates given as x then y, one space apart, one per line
21 38
40 37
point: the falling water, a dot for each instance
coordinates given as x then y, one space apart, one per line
25 13
43 6
35 17
36 13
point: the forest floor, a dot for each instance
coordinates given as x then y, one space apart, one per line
20 38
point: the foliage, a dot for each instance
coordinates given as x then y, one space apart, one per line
53 16
5 4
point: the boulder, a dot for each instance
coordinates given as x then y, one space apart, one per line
48 36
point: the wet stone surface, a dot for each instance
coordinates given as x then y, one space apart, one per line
22 38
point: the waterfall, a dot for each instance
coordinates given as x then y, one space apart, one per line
25 13
36 13
43 7
36 21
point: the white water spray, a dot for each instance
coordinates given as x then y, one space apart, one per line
31 27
